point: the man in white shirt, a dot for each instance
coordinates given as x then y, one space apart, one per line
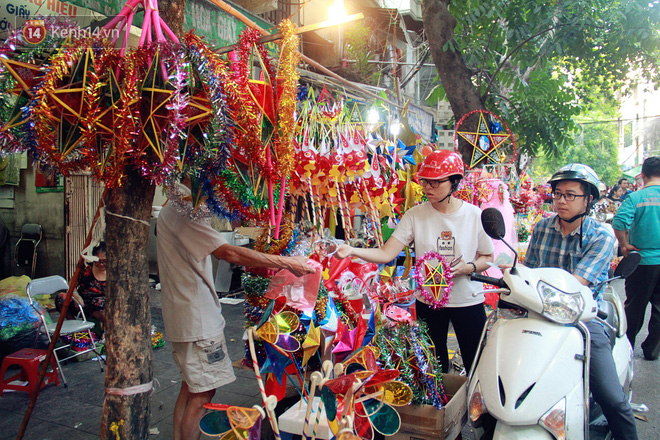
192 312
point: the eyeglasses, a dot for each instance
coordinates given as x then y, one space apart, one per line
568 197
432 183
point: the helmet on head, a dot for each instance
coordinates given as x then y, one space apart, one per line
580 173
440 164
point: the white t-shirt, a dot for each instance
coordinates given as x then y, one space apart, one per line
450 235
191 308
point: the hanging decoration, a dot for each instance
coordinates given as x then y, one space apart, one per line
488 141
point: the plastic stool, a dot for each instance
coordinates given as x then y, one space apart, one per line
29 359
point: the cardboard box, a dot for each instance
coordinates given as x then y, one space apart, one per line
425 422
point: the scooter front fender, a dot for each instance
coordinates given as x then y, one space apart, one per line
527 366
508 432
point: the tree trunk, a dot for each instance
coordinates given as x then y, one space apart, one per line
454 75
128 336
128 313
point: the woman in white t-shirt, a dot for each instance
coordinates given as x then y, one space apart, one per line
452 228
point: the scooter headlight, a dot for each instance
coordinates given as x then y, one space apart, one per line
554 421
558 306
477 406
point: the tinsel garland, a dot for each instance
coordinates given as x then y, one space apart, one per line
265 243
405 347
232 198
214 75
344 306
287 77
45 118
249 141
184 205
523 233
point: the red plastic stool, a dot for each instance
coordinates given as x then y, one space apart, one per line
29 360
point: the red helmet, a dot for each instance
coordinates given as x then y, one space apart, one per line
440 164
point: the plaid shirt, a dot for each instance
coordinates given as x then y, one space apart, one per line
549 248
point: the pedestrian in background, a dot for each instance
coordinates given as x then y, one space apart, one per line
637 227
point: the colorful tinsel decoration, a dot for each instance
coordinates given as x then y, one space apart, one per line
407 348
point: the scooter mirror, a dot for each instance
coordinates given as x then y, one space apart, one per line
493 223
628 265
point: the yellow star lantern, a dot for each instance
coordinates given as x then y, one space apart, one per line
488 139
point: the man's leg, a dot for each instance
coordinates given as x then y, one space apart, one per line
605 387
638 293
189 408
651 345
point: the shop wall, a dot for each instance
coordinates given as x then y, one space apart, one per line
46 209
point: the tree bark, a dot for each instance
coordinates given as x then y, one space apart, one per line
128 336
128 313
454 75
173 13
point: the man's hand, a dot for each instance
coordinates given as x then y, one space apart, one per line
298 266
628 248
343 251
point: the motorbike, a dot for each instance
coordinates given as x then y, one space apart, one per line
530 379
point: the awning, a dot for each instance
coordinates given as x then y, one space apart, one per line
633 172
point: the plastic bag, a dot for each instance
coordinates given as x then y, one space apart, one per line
14 285
300 292
16 316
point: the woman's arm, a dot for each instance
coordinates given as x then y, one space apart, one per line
387 253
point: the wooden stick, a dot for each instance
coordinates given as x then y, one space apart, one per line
301 30
267 402
316 379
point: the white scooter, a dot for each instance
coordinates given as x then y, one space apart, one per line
531 375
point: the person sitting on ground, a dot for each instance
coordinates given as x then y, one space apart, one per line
90 291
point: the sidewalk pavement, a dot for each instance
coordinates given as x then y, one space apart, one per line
74 412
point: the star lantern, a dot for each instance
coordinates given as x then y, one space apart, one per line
433 277
489 138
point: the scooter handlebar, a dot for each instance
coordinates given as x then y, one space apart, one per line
499 282
602 314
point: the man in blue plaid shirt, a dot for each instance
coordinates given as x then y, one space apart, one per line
575 242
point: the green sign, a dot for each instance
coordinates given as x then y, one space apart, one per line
105 7
217 26
206 19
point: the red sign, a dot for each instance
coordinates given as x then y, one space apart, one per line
34 31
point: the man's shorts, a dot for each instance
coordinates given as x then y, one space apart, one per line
204 365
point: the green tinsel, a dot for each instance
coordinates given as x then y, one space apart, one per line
397 352
254 285
244 192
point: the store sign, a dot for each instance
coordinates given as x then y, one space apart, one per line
14 13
